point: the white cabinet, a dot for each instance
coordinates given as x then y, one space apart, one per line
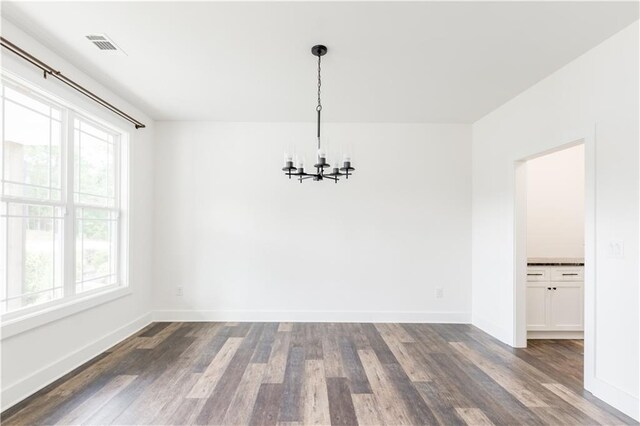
555 298
566 307
537 305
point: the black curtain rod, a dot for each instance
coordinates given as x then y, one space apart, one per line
57 74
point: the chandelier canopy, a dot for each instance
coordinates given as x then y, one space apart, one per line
290 170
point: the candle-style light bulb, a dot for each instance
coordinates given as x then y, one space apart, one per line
288 160
322 156
346 165
336 164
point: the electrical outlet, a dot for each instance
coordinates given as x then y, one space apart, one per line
179 291
439 293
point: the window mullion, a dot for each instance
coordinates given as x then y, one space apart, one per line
69 213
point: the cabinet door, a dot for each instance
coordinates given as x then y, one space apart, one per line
537 303
567 306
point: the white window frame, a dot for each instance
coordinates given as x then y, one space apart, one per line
19 320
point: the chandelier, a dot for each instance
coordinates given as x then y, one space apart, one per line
290 170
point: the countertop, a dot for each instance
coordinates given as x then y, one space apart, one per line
555 261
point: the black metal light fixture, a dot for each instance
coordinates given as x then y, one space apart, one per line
290 170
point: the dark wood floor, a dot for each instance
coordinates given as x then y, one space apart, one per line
367 374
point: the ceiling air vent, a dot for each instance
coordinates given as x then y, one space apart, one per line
104 43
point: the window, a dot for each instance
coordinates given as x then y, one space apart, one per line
61 202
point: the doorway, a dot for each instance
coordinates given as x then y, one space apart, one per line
568 288
555 245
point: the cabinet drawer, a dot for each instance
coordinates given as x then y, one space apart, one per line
537 274
567 274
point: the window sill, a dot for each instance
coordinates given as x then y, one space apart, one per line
33 320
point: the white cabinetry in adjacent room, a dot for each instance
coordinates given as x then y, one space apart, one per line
555 301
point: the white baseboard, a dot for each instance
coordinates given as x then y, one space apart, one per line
16 392
617 398
493 330
555 335
313 316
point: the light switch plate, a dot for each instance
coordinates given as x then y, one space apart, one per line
615 249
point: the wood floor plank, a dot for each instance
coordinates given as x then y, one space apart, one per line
495 401
562 416
426 337
186 412
331 355
209 379
162 390
99 399
238 329
37 402
241 407
355 333
267 406
159 337
367 409
77 382
277 362
416 406
218 402
341 409
392 407
157 362
582 404
378 344
263 350
543 368
321 373
315 401
415 371
401 332
501 376
207 352
285 326
312 341
154 329
442 398
474 417
291 405
172 412
352 365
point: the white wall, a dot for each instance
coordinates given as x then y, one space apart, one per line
598 90
555 204
33 358
247 243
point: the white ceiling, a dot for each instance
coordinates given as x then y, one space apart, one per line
387 62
